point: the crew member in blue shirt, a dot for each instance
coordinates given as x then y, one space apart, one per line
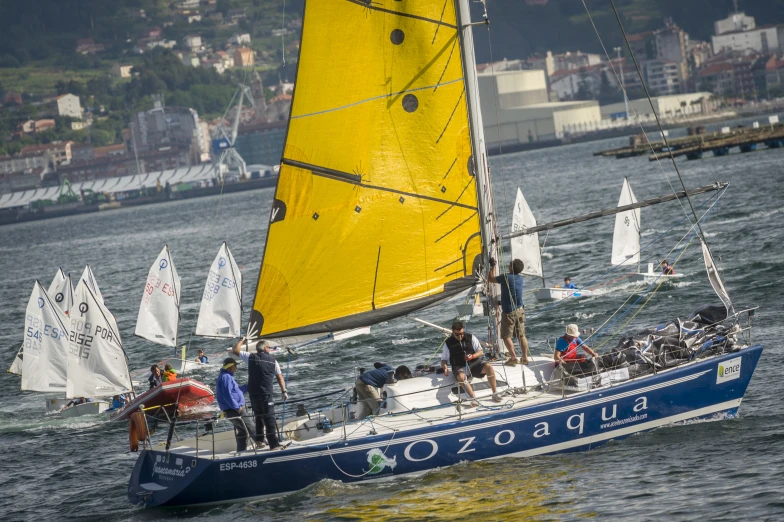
568 284
202 358
231 401
367 389
513 312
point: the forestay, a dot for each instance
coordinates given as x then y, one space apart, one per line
159 312
96 359
375 212
44 365
526 247
626 237
61 290
220 313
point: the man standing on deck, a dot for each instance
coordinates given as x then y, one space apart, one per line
231 401
463 350
261 369
513 312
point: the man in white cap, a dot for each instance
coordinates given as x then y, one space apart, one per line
566 346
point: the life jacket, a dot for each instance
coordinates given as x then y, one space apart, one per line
570 354
169 375
459 349
261 371
668 271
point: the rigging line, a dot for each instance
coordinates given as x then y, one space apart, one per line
658 122
282 33
374 98
636 116
367 5
466 220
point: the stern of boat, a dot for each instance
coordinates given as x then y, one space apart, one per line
160 476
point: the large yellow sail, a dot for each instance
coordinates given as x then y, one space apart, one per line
375 212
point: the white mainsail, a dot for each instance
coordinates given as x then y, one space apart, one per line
526 247
220 314
159 313
89 279
61 290
96 359
45 344
626 237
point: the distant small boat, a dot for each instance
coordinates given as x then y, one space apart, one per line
626 240
526 249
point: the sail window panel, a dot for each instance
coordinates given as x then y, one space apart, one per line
348 263
394 114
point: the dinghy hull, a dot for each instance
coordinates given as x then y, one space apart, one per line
185 393
711 388
544 295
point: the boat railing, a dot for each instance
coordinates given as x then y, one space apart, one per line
211 424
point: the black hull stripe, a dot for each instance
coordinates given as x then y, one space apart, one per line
379 315
357 180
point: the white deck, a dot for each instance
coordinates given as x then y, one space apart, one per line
432 403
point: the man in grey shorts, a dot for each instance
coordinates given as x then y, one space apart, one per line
512 310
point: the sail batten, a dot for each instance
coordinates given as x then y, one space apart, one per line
377 189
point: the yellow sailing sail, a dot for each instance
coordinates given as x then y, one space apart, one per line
375 212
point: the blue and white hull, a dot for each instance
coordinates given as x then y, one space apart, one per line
701 389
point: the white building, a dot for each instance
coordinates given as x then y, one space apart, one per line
734 22
516 110
193 42
240 39
764 39
665 106
68 105
663 76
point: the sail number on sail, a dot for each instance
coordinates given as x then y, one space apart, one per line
37 330
155 283
214 283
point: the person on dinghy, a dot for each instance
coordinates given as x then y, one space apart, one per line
513 311
566 346
231 401
461 351
168 373
667 268
155 379
568 284
202 358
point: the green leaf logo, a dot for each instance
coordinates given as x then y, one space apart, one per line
721 371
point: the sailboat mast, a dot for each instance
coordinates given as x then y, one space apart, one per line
484 191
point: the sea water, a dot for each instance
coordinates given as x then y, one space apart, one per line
56 469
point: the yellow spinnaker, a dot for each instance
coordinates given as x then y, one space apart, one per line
375 212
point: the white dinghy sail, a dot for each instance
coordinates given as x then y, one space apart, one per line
526 247
220 313
44 366
97 365
159 312
626 236
89 278
61 290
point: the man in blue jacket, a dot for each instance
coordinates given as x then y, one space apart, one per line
367 389
231 401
